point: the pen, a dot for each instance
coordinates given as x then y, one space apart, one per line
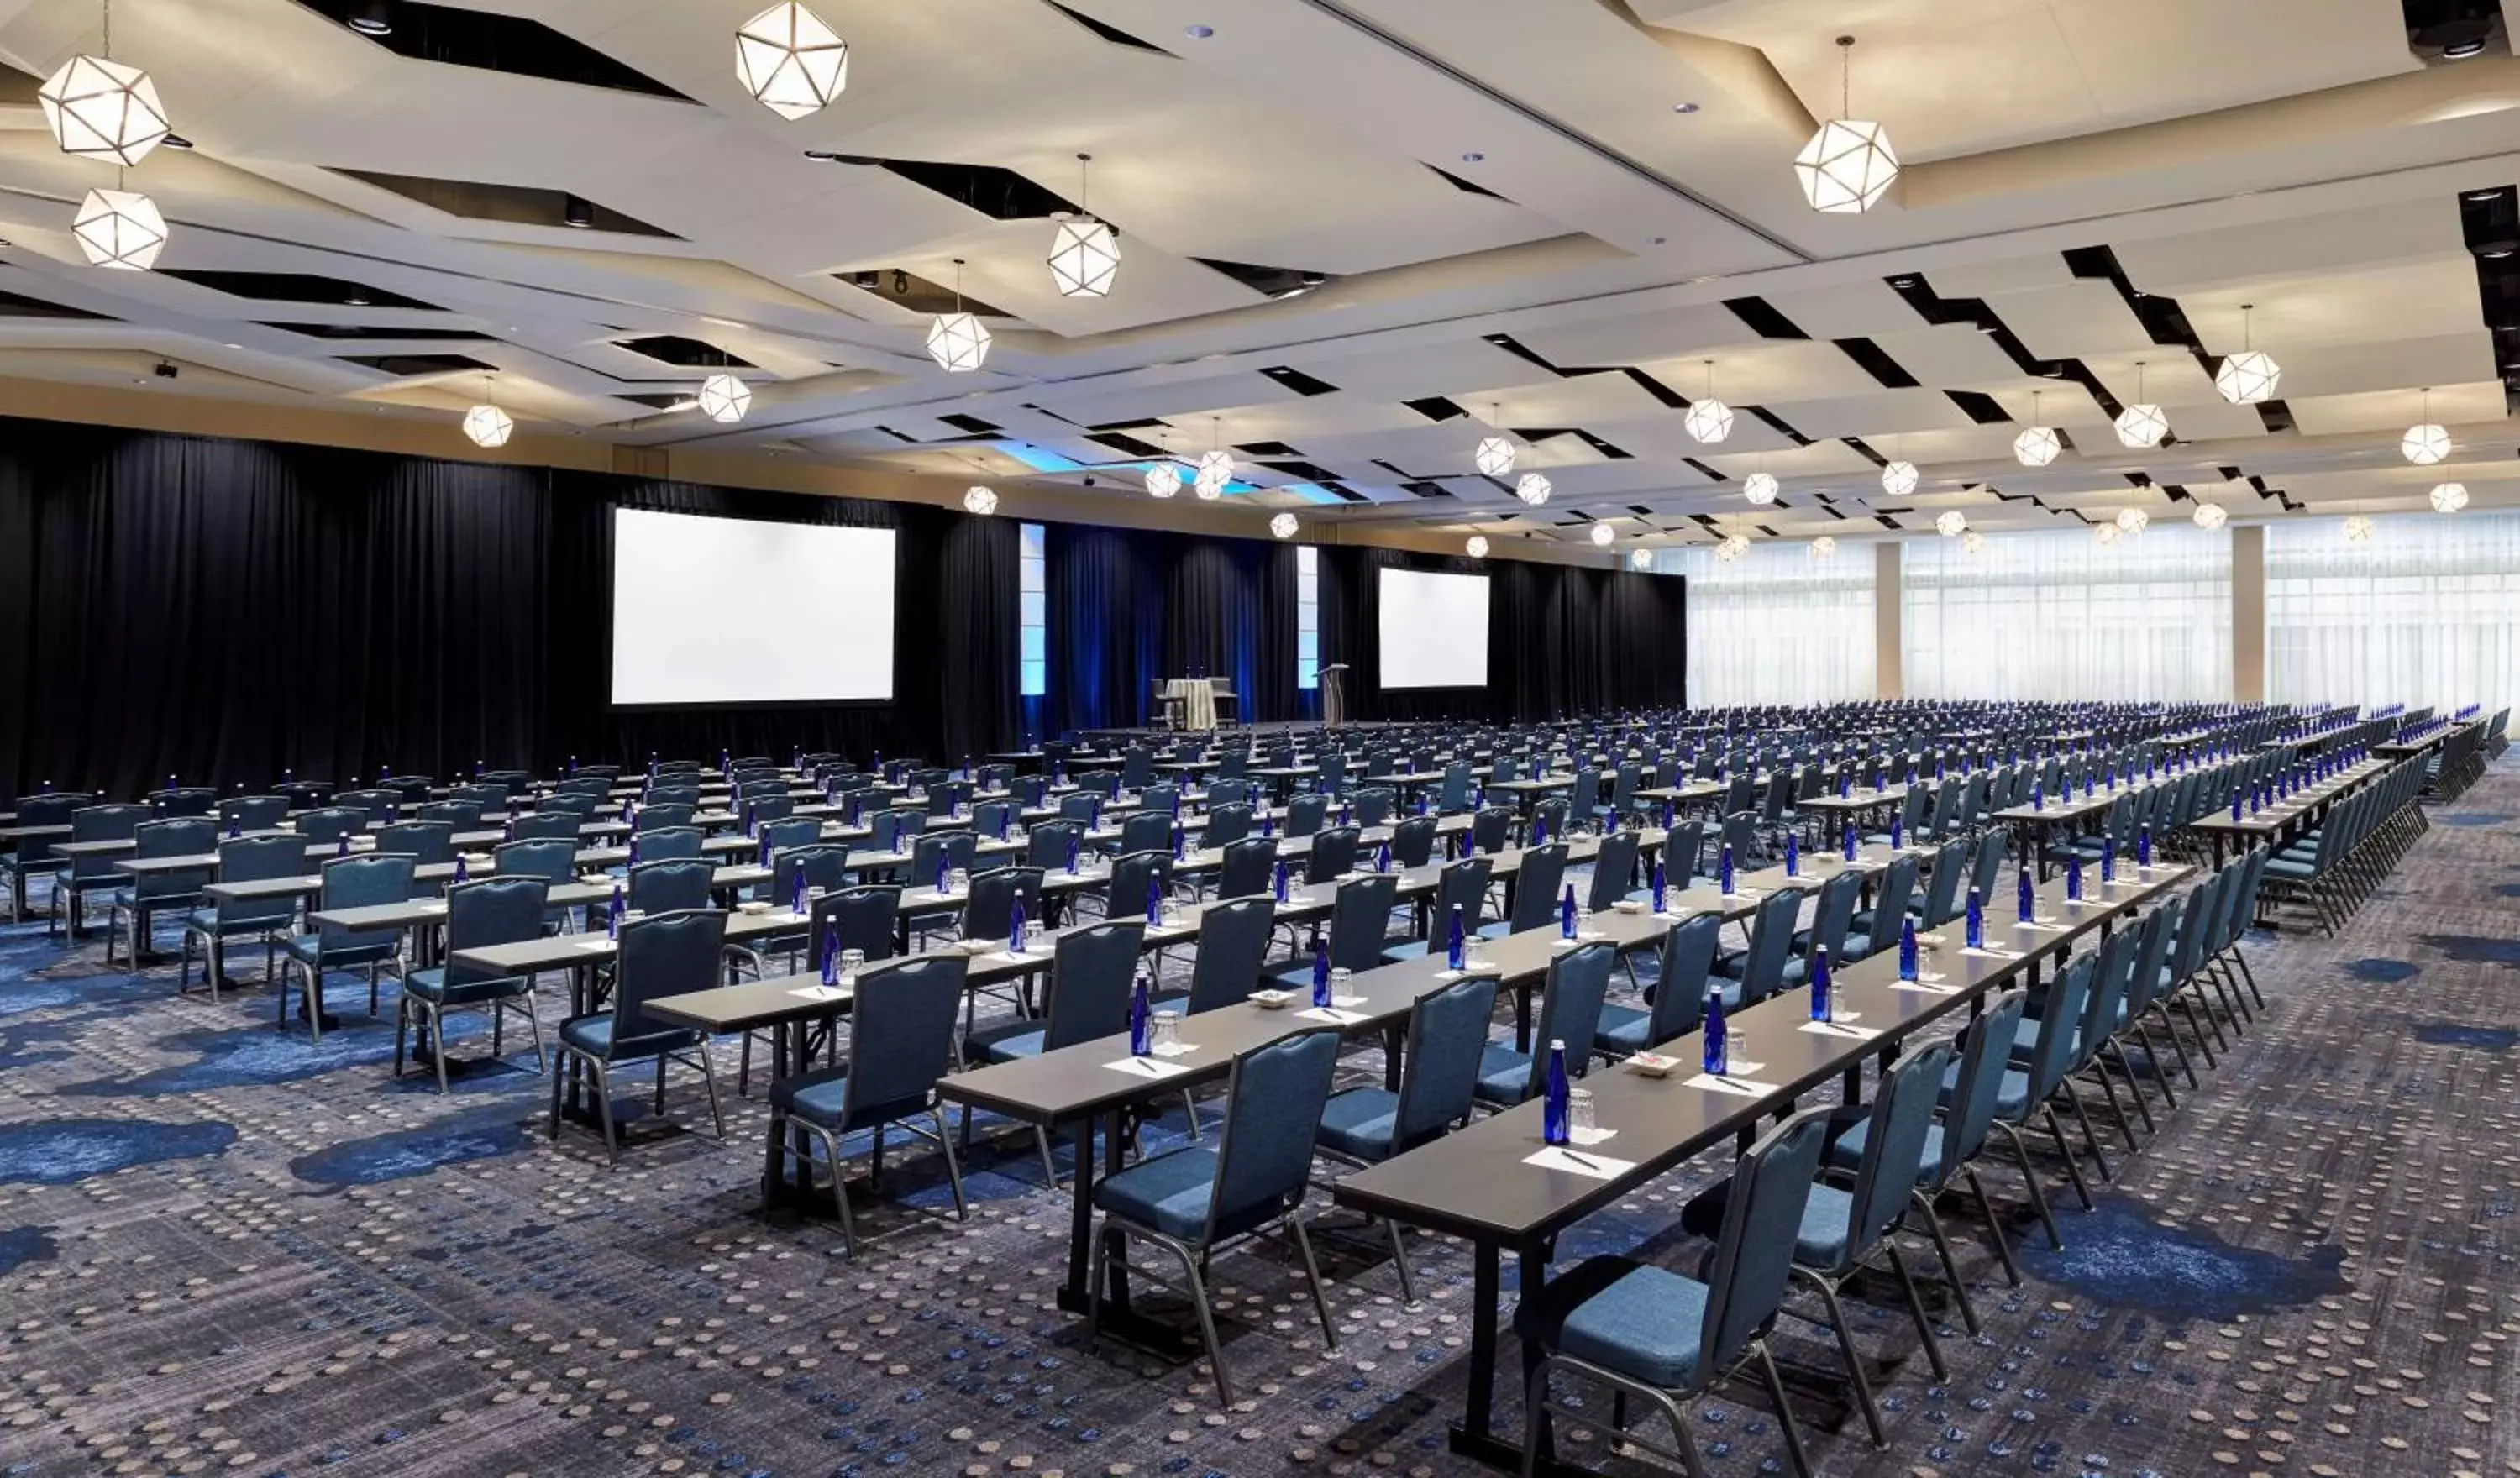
1577 1159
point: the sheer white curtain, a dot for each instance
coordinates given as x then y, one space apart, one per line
1776 625
2062 616
2423 614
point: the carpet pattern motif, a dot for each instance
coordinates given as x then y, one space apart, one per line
225 1250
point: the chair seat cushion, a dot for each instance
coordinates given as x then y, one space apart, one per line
594 1035
1496 930
1016 1047
1639 1320
1819 1242
1406 949
1623 1030
1170 1193
1504 1075
430 985
1848 1153
2286 867
1359 1122
2011 1100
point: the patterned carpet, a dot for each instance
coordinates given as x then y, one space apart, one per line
223 1250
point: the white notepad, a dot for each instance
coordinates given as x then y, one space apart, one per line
1844 1031
820 993
1590 1166
1331 1015
1148 1067
1736 1086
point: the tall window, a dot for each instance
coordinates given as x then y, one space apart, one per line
2062 616
1308 618
1035 613
2423 614
1776 625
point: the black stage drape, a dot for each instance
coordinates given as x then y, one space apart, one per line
223 610
1562 640
1128 606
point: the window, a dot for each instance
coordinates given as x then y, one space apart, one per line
2064 617
1035 614
2423 614
1308 618
1776 625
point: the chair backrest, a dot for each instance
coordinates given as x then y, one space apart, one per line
1983 1058
1491 829
1570 1010
175 837
1046 845
1232 944
359 882
2054 1052
1227 791
796 831
1688 959
1373 805
1890 901
1147 831
672 844
1461 886
1090 974
1306 813
1360 915
1132 875
1412 842
253 813
901 1036
1614 870
822 866
660 816
1902 1110
546 825
937 851
423 841
107 822
1771 943
459 815
1986 865
1681 851
1754 1249
989 913
2187 946
549 858
1551 813
1264 1155
493 910
1228 822
1247 867
2111 980
992 818
1943 898
670 887
377 806
258 858
856 918
669 954
566 803
1448 1035
1541 871
1333 853
1836 912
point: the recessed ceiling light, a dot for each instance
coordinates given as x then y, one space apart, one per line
1198 32
1472 158
372 18
2461 51
1656 240
577 212
2483 194
1683 108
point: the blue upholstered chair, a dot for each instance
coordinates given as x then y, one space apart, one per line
1831 919
1232 943
1877 928
1305 814
670 887
1226 822
663 955
1133 875
143 898
1664 1338
901 1042
245 859
350 882
1537 877
1334 855
1570 1012
1491 829
1614 871
1092 974
252 813
1439 1059
1461 888
2025 1096
1247 869
1359 911
428 844
478 915
546 825
93 873
1677 1000
36 854
552 859
1191 1200
1843 1228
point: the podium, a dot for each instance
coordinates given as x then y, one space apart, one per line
1334 694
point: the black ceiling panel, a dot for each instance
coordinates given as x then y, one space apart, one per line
491 42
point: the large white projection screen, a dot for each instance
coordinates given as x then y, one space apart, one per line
733 610
1434 630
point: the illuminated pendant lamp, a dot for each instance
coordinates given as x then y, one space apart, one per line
1952 523
2450 497
1604 535
2358 529
1709 420
487 425
980 499
1477 548
958 340
2133 521
725 399
1494 455
1899 476
99 109
1215 464
1283 526
2039 445
1760 487
2248 376
1849 165
1164 479
1824 546
2211 515
1083 252
2425 443
791 62
1640 559
1533 488
120 229
2141 425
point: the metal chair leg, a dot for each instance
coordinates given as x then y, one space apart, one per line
1313 1278
1994 1226
1950 1263
1916 1309
1854 1358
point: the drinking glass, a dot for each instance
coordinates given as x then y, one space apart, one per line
851 961
1579 1114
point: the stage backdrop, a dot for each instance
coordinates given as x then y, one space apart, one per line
222 610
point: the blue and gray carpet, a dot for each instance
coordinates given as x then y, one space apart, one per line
226 1250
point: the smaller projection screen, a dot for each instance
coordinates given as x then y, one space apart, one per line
1434 630
736 611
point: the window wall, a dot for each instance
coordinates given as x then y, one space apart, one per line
1308 618
2062 616
1776 625
2422 614
1034 595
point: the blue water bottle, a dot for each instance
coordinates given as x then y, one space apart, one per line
2108 860
1140 1018
612 913
1820 1005
796 894
1566 914
1718 1040
1454 946
1793 858
2235 805
634 851
1895 817
1723 869
2144 846
1847 834
1539 830
832 953
1658 893
1382 858
2029 896
2074 879
1075 850
1555 1127
1321 970
236 825
1906 949
463 873
1154 901
342 847
1976 936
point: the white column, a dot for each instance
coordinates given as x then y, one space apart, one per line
1888 678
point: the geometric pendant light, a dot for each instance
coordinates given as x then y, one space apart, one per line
1215 464
99 109
1709 420
486 424
2039 445
119 228
723 398
2425 443
958 340
2248 376
1164 475
1083 252
791 62
2141 425
1849 165
1496 454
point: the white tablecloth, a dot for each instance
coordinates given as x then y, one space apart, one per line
1197 701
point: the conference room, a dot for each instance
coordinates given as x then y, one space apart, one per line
1062 737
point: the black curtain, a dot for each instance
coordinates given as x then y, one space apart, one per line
225 611
1129 606
1562 640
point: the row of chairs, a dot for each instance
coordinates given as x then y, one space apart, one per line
2338 863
